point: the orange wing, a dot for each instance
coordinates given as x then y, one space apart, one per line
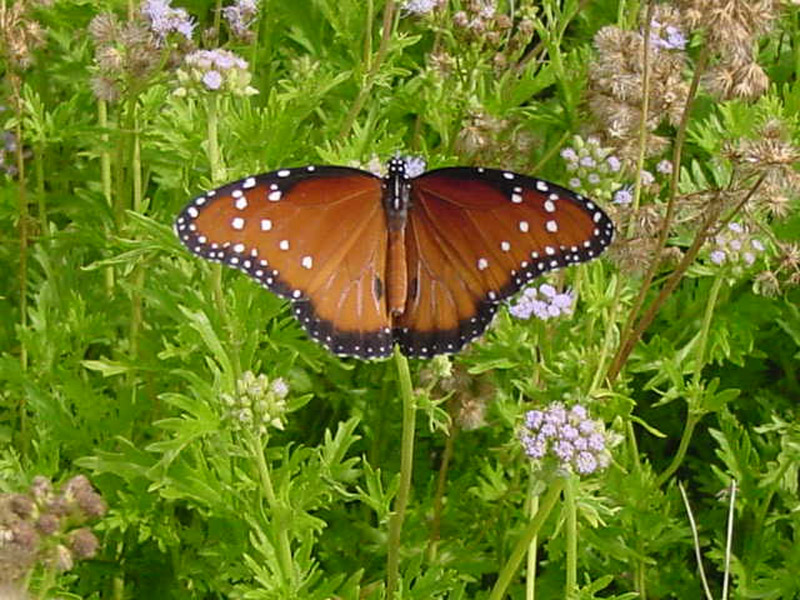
475 236
315 235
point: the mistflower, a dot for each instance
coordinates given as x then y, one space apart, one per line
420 7
735 246
214 71
564 439
240 17
543 303
163 19
666 37
259 403
415 165
624 196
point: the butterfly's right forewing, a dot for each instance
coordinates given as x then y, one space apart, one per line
315 235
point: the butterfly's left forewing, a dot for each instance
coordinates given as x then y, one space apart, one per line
315 235
476 236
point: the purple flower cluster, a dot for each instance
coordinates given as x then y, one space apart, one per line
566 437
240 16
544 303
420 7
734 245
165 20
666 37
215 71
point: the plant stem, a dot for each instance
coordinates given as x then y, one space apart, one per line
637 188
105 180
520 549
663 234
373 68
22 203
406 466
530 571
278 511
441 485
571 532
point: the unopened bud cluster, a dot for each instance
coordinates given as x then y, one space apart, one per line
259 403
214 71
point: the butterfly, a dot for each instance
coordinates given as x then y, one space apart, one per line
369 262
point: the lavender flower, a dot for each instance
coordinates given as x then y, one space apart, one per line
735 246
544 303
666 37
623 196
240 17
568 438
164 19
420 7
415 165
214 71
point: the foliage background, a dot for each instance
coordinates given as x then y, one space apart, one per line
117 348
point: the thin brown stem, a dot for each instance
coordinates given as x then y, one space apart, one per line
673 280
663 234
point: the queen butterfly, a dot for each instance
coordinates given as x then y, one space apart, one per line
419 261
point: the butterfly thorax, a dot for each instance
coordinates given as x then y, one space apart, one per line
396 202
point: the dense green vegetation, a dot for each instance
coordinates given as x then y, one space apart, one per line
169 431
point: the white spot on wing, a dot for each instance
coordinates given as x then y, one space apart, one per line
237 223
307 262
283 173
523 226
284 244
549 206
192 212
505 246
238 248
249 182
241 203
551 226
274 196
482 264
266 224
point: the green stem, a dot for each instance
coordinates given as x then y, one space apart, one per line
38 164
711 304
214 156
692 419
406 466
372 69
571 531
277 509
637 188
530 572
531 531
22 202
137 204
105 180
441 486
